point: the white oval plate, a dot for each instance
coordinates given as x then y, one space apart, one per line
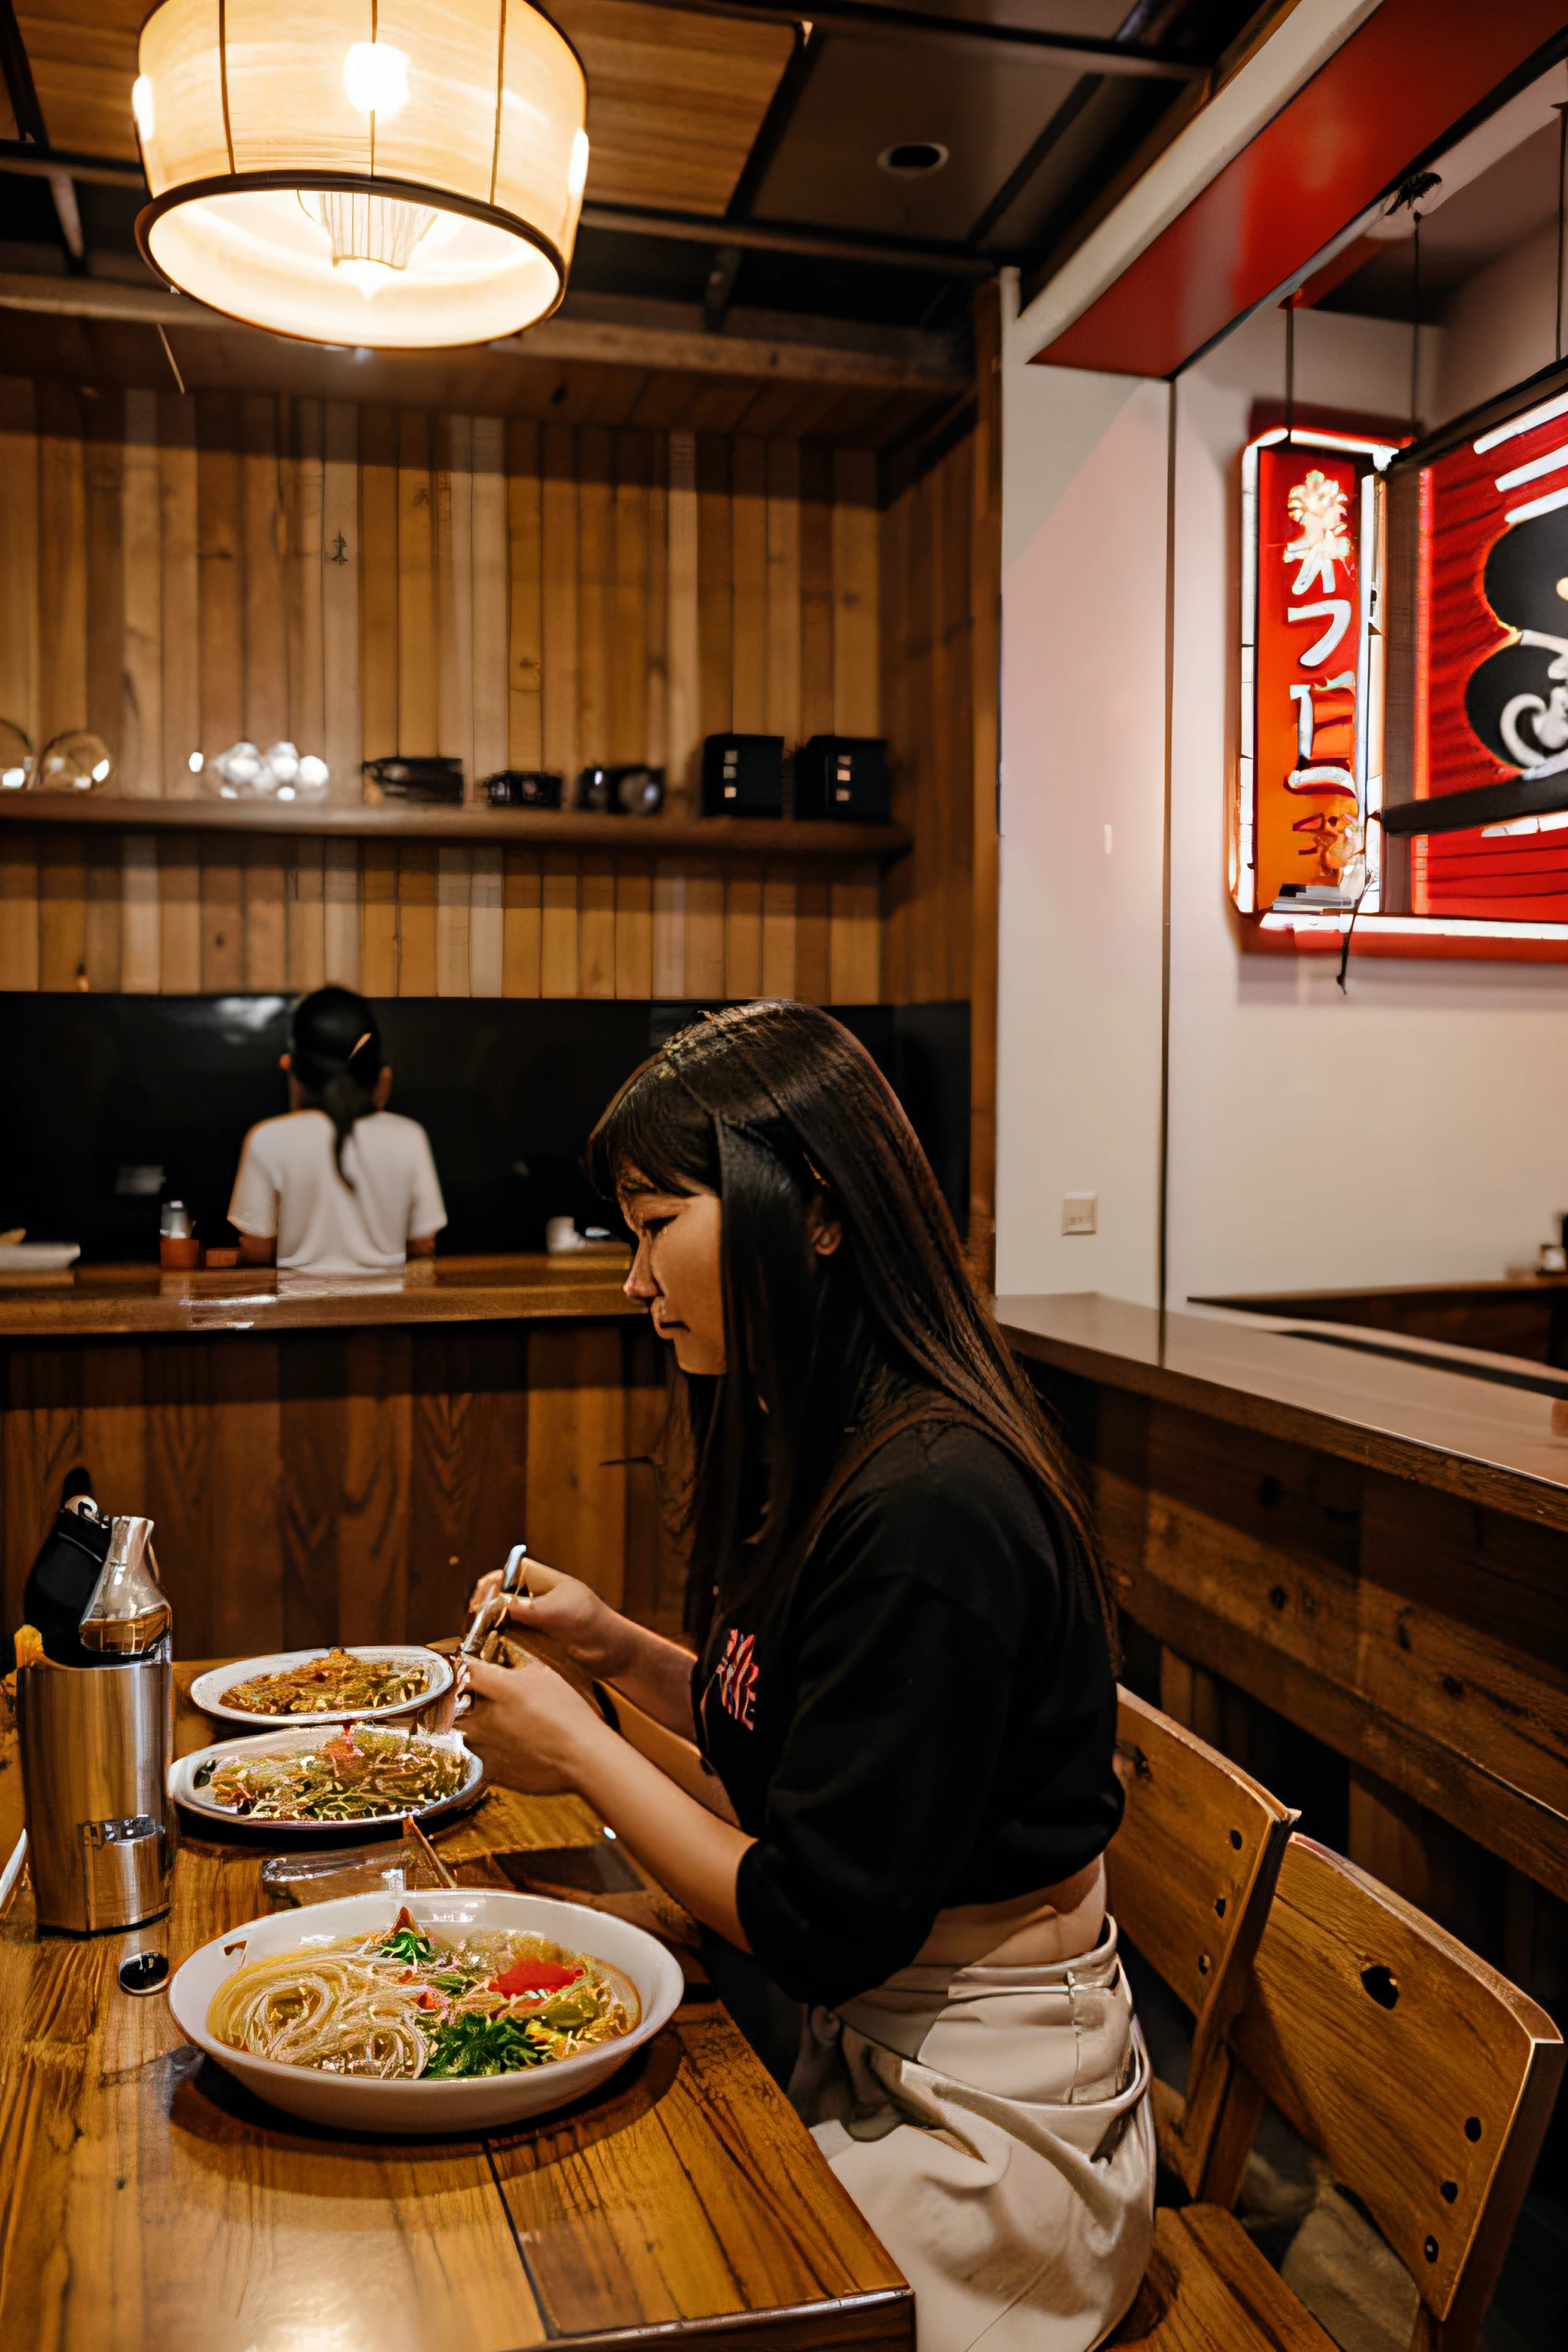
183 1788
207 1691
353 2105
37 1257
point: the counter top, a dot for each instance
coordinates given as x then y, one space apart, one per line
1470 1423
99 1300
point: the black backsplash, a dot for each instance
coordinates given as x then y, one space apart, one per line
99 1094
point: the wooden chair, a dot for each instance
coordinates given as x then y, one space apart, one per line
1192 1870
1423 2078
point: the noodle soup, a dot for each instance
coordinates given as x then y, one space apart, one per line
493 1923
413 2003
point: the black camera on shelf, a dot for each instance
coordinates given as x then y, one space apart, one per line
743 775
634 789
844 776
524 788
428 783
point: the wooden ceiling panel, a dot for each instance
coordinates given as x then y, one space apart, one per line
83 55
674 101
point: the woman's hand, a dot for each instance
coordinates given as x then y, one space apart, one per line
569 1611
530 1725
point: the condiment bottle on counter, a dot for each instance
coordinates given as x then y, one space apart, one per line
178 1248
96 1745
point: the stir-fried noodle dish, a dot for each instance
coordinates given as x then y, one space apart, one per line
331 1685
403 2004
356 1775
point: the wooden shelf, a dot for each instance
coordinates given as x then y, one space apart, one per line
621 836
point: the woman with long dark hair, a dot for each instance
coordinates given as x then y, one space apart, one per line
338 1184
902 1696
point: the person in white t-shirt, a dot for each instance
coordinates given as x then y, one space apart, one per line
338 1184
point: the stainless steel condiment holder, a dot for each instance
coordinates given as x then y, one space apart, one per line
95 1743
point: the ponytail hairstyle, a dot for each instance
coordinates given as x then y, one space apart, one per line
334 1049
781 1113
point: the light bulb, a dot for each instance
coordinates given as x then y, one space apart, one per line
578 169
142 105
369 276
195 763
13 779
314 774
375 77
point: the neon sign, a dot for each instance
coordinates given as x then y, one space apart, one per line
1470 632
1309 764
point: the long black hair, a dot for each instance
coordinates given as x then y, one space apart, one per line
784 1114
334 1049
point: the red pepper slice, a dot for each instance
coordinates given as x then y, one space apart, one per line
535 1976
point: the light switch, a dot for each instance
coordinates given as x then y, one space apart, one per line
1079 1211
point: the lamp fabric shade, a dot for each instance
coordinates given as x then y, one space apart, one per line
252 114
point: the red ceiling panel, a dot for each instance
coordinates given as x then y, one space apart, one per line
1411 72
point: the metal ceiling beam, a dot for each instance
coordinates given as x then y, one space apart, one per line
776 236
788 91
627 220
1083 92
18 78
864 19
42 162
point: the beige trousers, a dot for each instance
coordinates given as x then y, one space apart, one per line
993 2126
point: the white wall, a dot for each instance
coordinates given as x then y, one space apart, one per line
1499 327
1415 1129
1083 572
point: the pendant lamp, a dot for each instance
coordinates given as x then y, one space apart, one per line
399 173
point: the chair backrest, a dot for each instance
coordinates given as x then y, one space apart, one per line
1424 2078
1192 1870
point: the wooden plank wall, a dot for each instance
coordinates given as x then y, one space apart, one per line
348 1486
177 572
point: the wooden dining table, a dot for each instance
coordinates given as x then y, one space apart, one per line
147 2200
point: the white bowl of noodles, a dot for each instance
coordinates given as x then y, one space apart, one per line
296 1976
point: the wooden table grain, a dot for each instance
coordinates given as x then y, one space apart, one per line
147 2200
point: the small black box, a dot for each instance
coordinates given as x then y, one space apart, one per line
742 775
844 776
432 782
523 788
633 789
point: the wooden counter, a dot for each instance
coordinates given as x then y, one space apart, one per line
99 1300
1524 1314
1369 1538
338 1460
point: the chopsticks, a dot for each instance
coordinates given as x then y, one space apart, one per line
484 1620
12 1871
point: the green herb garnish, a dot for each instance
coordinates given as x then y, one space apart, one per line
471 2046
409 1945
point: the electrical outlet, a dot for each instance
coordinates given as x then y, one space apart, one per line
1078 1213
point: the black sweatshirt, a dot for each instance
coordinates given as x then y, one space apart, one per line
930 1722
